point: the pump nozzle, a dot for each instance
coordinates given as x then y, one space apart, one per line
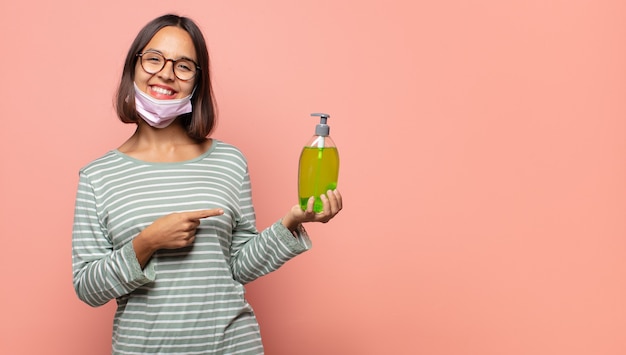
322 129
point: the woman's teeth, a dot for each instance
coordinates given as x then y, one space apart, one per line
163 91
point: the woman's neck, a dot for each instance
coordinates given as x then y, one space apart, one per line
169 144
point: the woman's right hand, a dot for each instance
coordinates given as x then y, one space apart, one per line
172 231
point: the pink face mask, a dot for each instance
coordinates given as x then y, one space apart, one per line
160 113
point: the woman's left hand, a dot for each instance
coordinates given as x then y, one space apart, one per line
331 205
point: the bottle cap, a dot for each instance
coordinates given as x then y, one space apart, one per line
322 129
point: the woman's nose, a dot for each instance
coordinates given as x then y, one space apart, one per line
168 70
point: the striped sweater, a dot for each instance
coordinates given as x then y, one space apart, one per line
184 301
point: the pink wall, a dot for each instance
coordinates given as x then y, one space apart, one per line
483 167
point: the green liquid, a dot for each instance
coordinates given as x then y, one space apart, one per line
318 173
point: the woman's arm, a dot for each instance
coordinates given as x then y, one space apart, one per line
100 272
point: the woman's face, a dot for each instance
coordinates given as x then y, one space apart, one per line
172 43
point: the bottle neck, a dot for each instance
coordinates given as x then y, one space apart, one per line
321 142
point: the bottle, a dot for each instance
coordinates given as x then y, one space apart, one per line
319 165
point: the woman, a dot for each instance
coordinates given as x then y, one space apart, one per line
165 224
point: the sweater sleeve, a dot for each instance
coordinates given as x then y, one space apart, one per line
100 271
255 254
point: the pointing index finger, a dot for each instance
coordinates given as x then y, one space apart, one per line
205 213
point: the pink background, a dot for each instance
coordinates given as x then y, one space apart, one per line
483 167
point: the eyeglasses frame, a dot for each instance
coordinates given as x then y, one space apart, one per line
140 56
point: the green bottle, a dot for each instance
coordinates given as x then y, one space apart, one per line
319 165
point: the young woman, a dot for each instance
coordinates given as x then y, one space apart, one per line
164 224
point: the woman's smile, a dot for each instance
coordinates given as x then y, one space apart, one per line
162 92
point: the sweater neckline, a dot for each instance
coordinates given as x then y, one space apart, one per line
208 152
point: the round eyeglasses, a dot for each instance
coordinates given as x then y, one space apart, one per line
153 62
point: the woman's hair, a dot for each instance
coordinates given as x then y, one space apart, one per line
201 121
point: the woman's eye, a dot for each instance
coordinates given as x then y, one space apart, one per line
184 66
